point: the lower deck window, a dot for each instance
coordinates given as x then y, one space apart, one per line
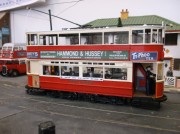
86 72
116 73
96 72
50 70
69 71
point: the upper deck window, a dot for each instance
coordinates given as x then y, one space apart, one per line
51 39
16 48
4 48
69 39
147 35
157 36
137 36
116 37
91 38
32 39
9 48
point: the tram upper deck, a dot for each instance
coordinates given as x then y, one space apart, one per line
134 40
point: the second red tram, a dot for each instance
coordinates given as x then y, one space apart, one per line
13 59
124 62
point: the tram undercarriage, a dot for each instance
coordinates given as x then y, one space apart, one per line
147 102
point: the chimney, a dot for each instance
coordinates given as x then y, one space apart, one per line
124 14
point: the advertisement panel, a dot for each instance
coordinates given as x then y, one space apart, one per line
113 55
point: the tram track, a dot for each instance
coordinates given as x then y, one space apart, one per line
103 120
93 109
89 108
65 104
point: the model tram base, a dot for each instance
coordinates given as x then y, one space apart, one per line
142 102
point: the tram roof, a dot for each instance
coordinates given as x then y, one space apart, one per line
13 45
90 30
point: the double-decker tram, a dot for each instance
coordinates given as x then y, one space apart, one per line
120 64
12 59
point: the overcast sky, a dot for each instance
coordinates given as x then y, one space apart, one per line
85 11
88 10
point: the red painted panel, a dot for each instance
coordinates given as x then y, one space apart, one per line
30 81
110 47
112 88
13 54
159 89
142 83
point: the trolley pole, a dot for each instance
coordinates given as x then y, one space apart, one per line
50 20
51 15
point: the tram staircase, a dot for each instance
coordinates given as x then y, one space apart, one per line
140 81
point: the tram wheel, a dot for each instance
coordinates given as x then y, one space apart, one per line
14 73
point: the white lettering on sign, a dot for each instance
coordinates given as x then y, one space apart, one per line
144 56
93 53
67 53
140 55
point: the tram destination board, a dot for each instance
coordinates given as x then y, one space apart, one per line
113 55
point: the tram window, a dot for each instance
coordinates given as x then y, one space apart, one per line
160 39
147 35
22 62
28 67
10 48
160 72
48 40
4 48
32 39
91 38
116 37
50 70
69 39
116 73
69 71
15 62
96 72
21 48
42 40
16 48
8 62
154 36
137 36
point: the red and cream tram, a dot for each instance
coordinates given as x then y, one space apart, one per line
123 62
12 59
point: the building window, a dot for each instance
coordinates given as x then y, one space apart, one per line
171 39
176 64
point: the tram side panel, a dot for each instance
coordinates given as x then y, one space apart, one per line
110 88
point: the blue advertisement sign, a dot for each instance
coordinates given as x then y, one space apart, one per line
146 56
32 55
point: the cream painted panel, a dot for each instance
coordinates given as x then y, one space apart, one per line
35 67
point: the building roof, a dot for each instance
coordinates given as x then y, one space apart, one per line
135 20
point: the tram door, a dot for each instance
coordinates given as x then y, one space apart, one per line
145 78
139 78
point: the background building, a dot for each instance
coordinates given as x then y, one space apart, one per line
5 35
84 11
